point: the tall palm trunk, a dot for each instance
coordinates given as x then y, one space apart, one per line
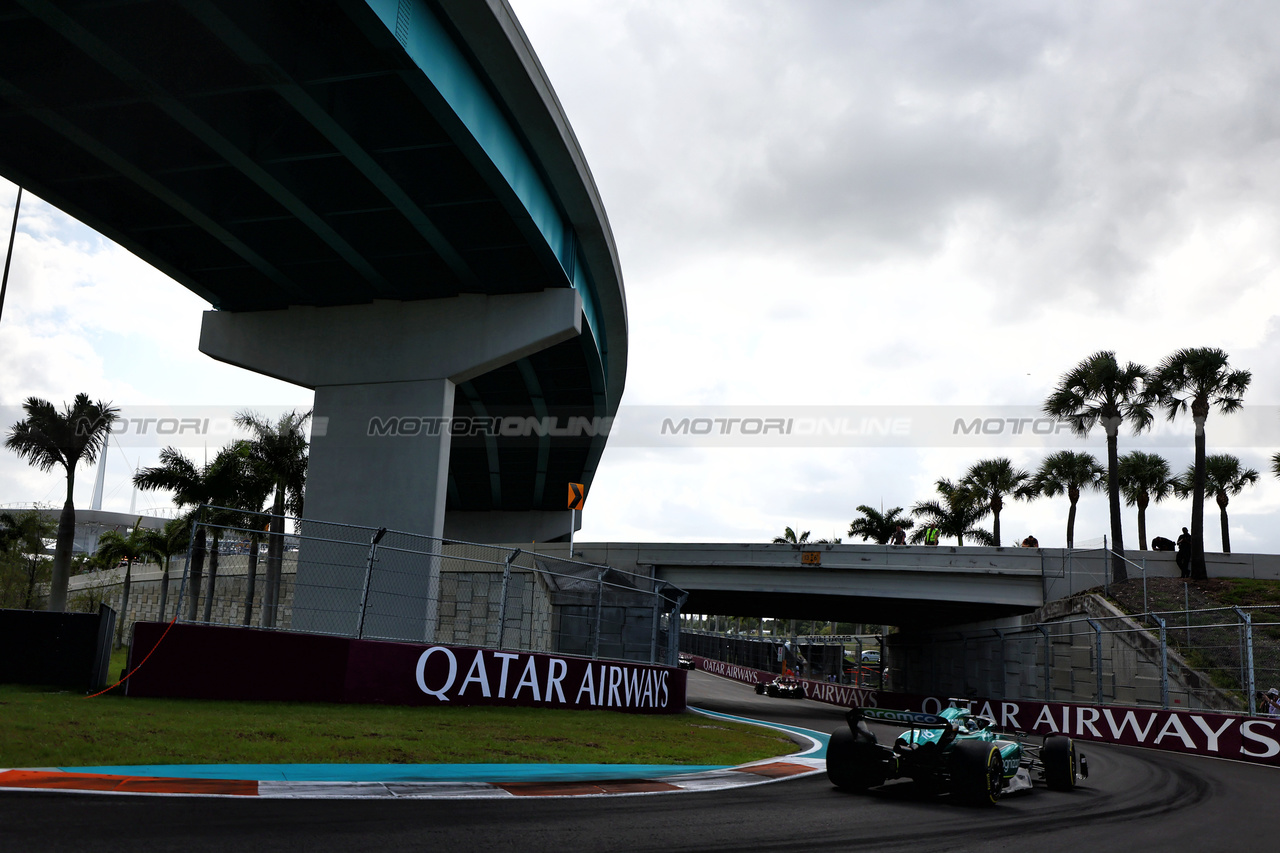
213 576
1143 502
1119 572
124 602
164 588
62 550
33 565
196 574
1222 517
996 506
1073 495
252 580
275 559
1198 570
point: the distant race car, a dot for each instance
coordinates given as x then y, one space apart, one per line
953 751
786 686
685 662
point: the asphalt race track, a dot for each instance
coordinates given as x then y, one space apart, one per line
1134 800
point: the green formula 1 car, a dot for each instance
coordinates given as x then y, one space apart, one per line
953 751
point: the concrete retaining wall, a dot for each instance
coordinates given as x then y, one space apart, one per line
1016 659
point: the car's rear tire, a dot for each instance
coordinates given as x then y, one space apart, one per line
977 772
854 764
760 689
1059 758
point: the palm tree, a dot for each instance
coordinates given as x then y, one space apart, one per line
174 538
1099 390
1144 478
1224 478
218 483
25 534
1067 472
278 452
114 546
790 537
992 479
47 438
1199 379
877 525
954 515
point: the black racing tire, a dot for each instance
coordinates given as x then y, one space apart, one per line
1059 758
854 764
760 689
977 772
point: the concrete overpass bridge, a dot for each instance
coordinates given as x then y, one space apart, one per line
912 587
906 586
381 199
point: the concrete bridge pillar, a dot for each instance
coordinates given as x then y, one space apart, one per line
384 374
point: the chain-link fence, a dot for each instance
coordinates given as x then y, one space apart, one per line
344 580
347 580
818 658
1193 659
1211 659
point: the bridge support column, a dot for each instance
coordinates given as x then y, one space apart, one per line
384 375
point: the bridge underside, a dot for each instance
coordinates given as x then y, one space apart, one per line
270 153
902 612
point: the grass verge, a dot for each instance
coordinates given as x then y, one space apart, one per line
44 729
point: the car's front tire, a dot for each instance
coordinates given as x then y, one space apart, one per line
1059 758
977 772
854 764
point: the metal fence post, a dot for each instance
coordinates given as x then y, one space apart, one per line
368 575
1250 683
1164 665
502 606
653 631
1106 567
595 642
673 635
1097 660
1145 608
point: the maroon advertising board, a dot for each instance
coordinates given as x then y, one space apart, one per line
215 662
1234 736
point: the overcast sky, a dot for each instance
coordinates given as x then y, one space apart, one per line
898 207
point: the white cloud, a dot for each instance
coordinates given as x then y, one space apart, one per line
831 203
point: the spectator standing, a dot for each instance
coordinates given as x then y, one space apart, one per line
1184 553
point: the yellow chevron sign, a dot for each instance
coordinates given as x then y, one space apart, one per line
577 496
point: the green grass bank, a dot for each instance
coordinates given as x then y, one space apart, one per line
60 729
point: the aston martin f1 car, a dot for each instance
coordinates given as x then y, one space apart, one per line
786 686
953 751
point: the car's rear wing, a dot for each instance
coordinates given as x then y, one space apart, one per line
913 719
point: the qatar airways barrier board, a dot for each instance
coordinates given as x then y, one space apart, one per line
214 662
1234 736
